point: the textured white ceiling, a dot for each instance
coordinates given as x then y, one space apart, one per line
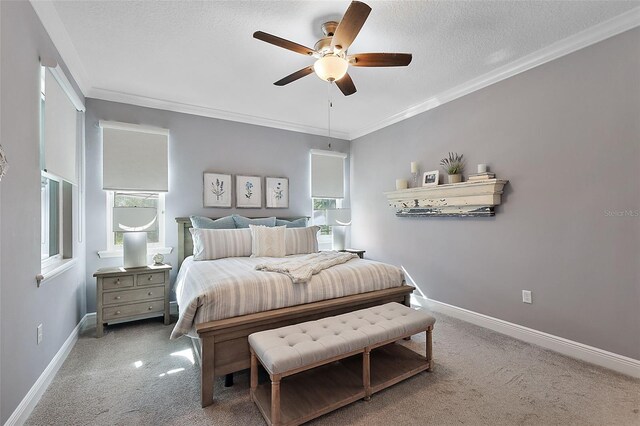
202 53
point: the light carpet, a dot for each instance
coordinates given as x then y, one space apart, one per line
135 375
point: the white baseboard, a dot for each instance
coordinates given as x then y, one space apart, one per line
31 399
610 360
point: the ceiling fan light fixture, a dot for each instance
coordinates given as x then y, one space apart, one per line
331 67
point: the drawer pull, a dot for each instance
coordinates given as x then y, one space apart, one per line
150 278
117 297
117 312
150 307
150 294
118 281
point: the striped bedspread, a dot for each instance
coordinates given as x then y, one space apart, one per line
216 289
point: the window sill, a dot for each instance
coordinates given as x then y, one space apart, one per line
55 269
104 254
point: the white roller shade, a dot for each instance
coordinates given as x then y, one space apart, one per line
327 174
135 158
60 131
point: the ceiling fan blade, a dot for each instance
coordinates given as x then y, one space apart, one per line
346 86
281 42
380 59
350 26
295 76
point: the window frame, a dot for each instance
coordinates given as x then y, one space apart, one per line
56 258
67 256
111 246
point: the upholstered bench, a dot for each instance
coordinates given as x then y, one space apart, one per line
322 364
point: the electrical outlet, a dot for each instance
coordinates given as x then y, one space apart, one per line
39 333
526 296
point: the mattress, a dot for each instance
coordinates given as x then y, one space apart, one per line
211 290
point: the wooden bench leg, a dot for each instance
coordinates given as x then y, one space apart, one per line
254 375
366 373
207 371
428 352
275 400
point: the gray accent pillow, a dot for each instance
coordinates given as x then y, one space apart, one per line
201 222
298 223
244 222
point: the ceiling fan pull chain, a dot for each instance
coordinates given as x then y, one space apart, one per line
329 106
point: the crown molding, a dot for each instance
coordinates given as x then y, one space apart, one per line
592 35
61 39
55 28
143 101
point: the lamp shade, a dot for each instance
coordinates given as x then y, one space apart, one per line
339 217
135 219
331 67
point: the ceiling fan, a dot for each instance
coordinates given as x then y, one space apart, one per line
331 51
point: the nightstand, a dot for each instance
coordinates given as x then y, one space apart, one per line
360 253
131 294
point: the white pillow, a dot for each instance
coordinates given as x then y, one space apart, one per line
267 241
301 240
210 244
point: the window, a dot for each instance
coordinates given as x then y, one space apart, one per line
325 237
327 190
59 139
155 238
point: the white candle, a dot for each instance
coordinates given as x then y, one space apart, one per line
482 168
414 167
402 184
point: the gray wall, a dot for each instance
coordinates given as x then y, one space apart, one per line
60 303
197 144
567 136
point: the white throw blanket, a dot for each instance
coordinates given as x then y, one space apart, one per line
302 268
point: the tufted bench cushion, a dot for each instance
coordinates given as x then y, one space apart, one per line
303 344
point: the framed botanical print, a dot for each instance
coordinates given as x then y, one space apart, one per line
248 192
217 190
277 192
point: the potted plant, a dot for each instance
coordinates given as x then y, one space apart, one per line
453 165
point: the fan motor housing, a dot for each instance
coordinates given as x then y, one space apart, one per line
329 28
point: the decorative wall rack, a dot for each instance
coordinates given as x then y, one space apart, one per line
467 199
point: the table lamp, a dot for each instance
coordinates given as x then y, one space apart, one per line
135 222
338 219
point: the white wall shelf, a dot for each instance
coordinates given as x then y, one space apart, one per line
466 199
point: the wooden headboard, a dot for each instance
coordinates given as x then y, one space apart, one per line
185 243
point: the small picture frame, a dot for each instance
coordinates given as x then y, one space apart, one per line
277 192
248 192
431 178
217 190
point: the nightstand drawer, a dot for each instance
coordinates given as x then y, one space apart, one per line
139 295
112 283
149 279
124 311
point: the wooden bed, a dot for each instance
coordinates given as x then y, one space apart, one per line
223 347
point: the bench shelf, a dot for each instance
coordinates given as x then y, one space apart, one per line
312 393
